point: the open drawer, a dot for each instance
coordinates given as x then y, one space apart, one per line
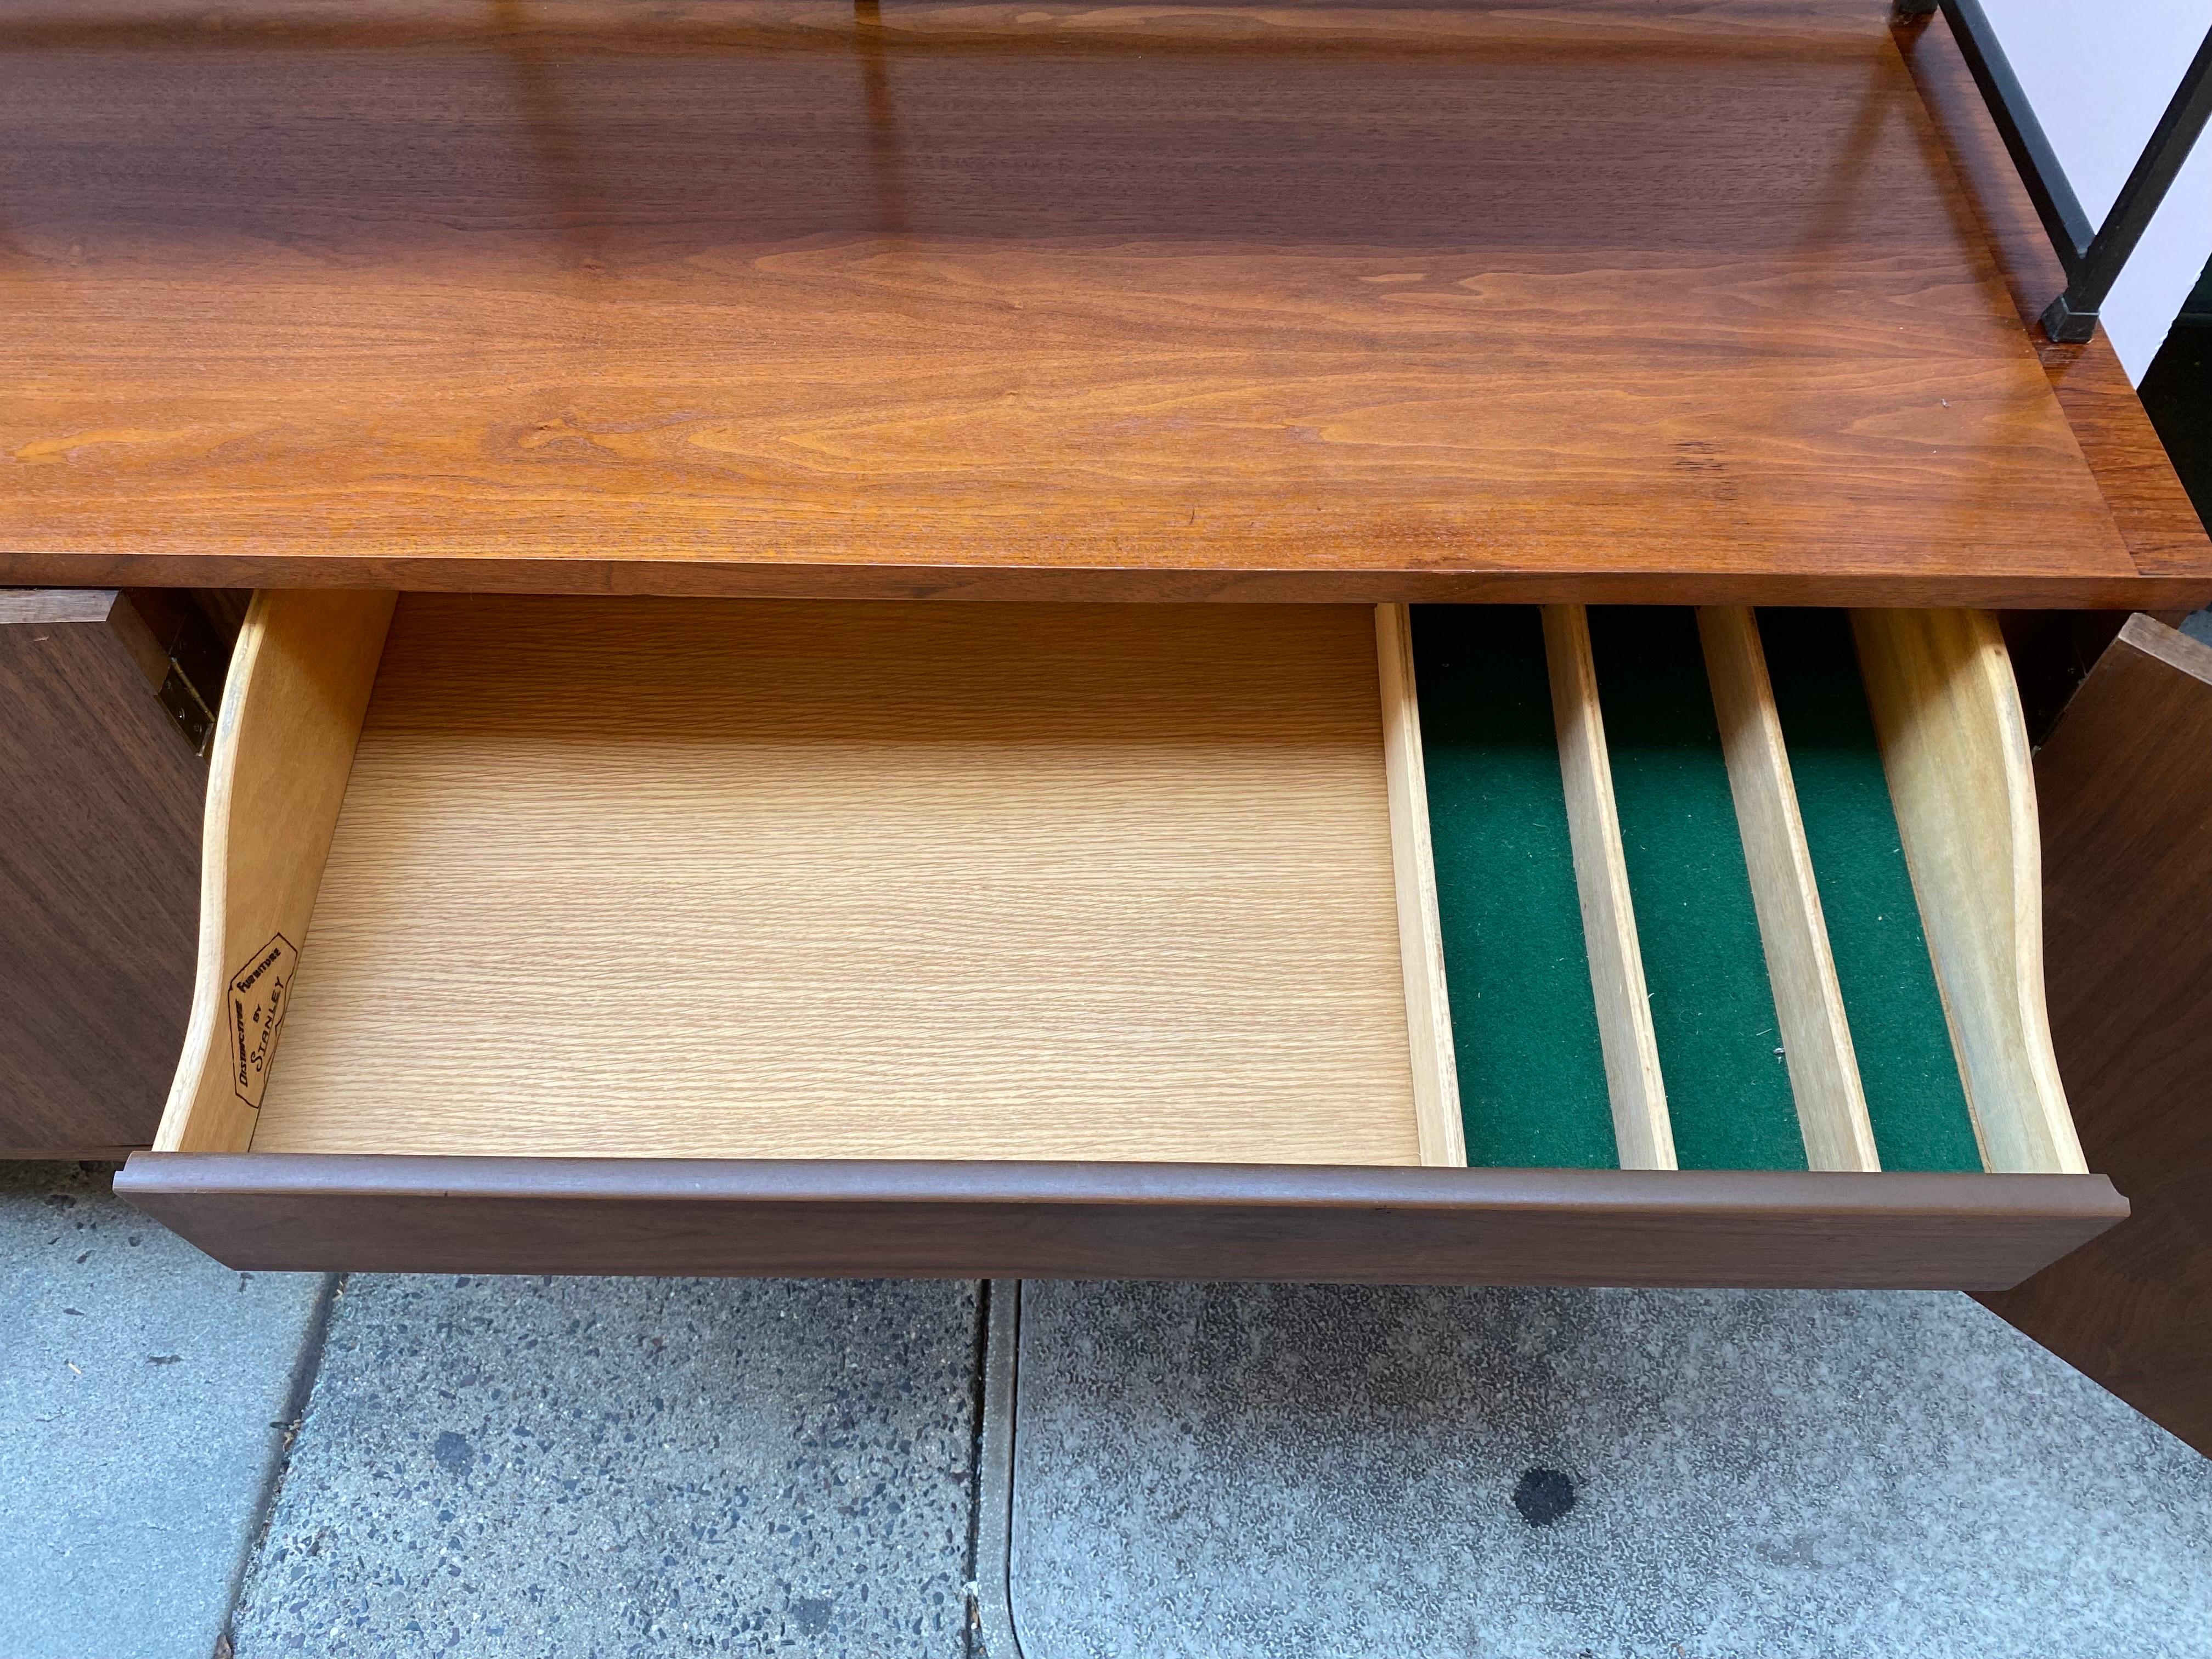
1475 943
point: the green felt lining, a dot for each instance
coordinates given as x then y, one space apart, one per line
1531 1073
1524 1021
1712 1007
1914 1096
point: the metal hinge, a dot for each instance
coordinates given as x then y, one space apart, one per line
188 709
192 658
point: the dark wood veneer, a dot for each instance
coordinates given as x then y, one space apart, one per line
2124 787
100 840
404 1213
1672 302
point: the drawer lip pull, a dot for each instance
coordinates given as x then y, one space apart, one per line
1070 1182
407 1212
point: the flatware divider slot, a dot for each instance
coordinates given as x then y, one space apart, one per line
1908 1066
1954 749
1718 1038
1531 1067
1816 1034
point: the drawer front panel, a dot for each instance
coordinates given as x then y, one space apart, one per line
868 1217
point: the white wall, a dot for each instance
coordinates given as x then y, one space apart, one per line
2099 74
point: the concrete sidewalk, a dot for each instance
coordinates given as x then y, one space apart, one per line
496 1466
481 1466
1244 1471
194 1462
144 1398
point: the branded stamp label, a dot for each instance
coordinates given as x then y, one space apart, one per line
259 993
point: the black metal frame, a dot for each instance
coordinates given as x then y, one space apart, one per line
2093 255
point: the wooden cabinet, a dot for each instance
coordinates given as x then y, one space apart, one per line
729 936
772 924
106 707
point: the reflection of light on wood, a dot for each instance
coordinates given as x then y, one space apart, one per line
883 127
1147 304
560 160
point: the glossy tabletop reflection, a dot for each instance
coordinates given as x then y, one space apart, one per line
1666 302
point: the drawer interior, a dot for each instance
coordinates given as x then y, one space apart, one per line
1635 888
725 878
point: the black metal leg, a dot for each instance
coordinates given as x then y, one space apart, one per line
2064 221
2093 255
2073 314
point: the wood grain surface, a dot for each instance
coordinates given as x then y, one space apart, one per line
1954 749
657 877
100 812
1420 929
291 711
1103 1221
1673 302
2125 787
